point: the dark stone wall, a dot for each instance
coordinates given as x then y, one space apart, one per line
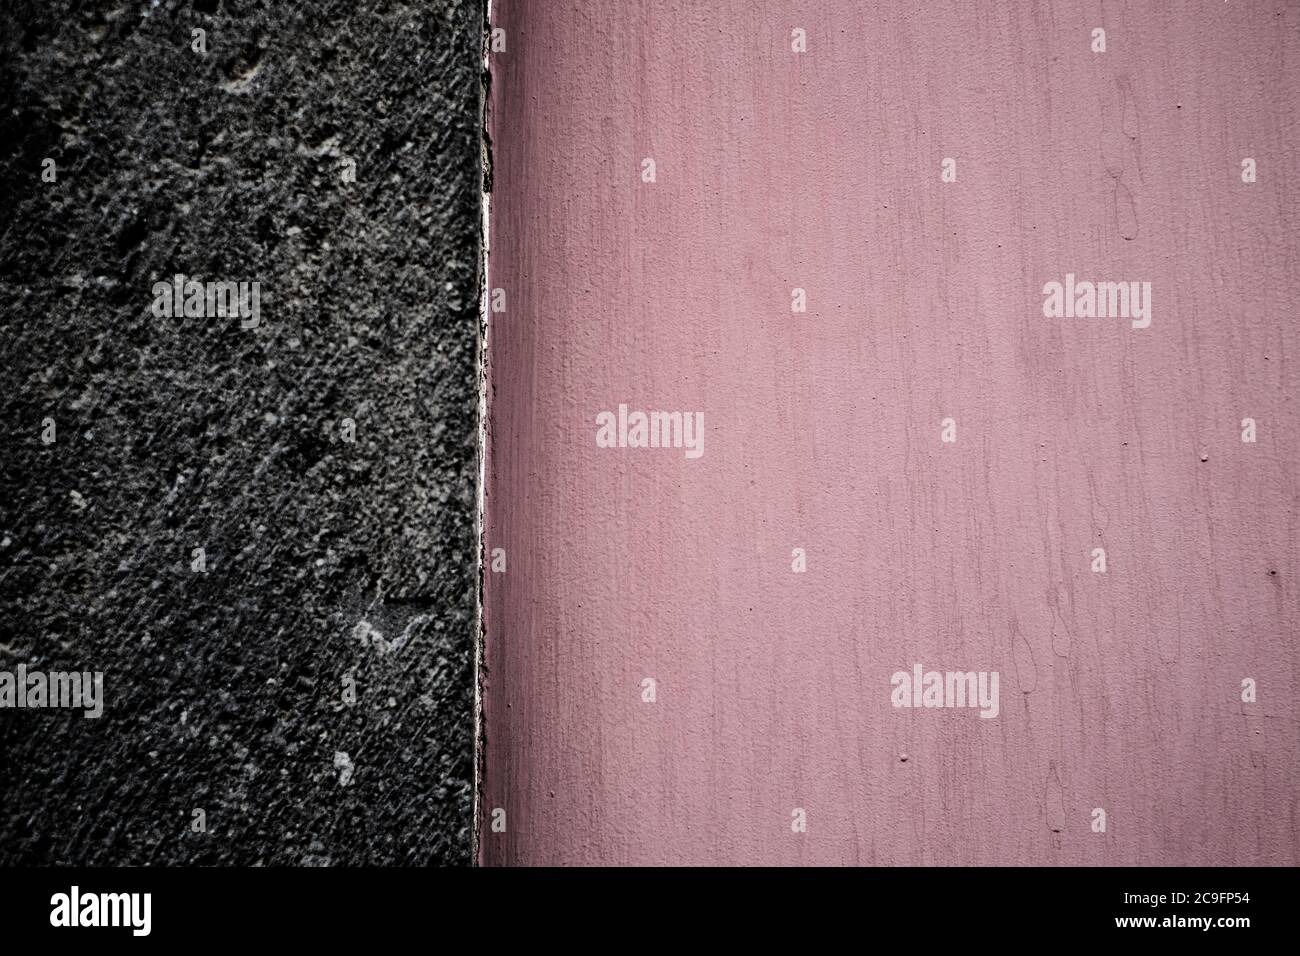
326 560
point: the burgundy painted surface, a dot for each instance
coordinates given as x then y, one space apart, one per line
821 170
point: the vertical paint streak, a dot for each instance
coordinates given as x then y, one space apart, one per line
485 312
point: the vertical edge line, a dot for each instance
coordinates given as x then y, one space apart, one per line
485 201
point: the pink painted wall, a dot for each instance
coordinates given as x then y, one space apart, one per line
821 170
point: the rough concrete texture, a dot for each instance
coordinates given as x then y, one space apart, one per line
773 736
324 559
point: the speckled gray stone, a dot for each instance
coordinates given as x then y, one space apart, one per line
325 559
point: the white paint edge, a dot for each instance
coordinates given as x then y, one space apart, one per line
485 200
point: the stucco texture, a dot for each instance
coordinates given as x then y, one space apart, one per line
329 564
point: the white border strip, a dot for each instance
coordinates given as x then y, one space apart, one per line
485 199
